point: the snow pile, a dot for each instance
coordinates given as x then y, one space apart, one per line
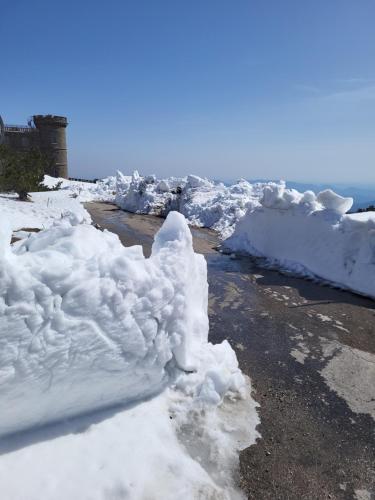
218 206
142 195
204 203
45 208
102 190
311 234
86 323
277 196
138 453
85 317
48 206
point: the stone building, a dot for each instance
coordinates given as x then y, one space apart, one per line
45 132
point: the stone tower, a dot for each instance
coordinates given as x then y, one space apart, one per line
44 132
52 142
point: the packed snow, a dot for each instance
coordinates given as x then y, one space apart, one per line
101 190
307 233
204 203
311 234
86 324
109 386
41 212
45 207
87 309
136 453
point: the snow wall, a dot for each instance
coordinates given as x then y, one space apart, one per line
86 323
204 203
311 234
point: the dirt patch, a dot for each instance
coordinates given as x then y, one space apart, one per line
16 237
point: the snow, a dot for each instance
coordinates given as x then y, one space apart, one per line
136 453
278 197
307 233
87 324
48 206
203 202
311 234
333 201
102 190
43 210
87 308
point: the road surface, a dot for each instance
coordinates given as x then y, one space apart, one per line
310 352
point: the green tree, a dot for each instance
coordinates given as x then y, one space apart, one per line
21 172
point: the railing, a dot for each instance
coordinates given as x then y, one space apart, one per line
93 181
18 128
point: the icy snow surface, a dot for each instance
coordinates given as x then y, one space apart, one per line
311 234
102 190
137 453
45 208
86 323
204 203
48 206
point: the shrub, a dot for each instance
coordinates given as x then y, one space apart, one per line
21 172
370 208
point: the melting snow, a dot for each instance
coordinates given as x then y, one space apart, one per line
312 235
87 324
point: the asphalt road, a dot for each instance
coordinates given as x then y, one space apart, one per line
310 352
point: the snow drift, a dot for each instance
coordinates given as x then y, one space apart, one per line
86 323
204 203
45 208
101 190
49 206
310 233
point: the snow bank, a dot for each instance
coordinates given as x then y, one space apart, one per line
42 212
86 323
311 233
277 196
48 206
137 453
204 203
102 190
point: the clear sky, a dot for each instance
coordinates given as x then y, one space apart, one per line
223 88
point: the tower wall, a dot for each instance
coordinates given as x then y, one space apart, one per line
21 139
52 142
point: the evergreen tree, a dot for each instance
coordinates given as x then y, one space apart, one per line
21 172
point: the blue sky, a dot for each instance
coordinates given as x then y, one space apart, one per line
270 89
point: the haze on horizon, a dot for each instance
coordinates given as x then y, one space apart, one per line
254 89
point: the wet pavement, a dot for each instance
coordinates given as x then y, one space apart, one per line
310 352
